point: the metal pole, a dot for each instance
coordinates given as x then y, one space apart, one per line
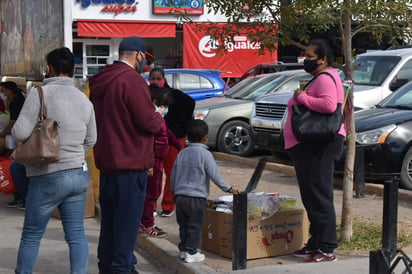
359 173
239 240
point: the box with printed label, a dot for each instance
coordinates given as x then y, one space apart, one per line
280 234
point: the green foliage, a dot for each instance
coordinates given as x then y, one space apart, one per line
294 21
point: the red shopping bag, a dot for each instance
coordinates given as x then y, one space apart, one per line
7 185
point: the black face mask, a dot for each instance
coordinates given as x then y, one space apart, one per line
310 65
139 68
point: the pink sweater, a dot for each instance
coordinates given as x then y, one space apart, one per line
322 95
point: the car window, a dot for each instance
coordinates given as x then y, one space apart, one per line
205 83
266 88
240 86
292 84
169 80
373 70
403 97
263 83
405 72
193 82
189 81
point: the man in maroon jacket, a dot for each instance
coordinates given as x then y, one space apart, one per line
126 123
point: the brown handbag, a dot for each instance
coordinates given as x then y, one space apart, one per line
43 145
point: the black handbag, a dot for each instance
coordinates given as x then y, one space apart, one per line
313 127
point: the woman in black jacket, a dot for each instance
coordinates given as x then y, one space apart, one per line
180 113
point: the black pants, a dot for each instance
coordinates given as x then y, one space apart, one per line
190 212
314 165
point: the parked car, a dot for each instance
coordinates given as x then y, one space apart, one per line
377 74
198 83
384 133
270 67
228 116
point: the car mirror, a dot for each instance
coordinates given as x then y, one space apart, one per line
397 83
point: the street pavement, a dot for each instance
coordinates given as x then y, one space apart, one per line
54 253
161 255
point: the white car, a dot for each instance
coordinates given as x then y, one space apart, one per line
377 74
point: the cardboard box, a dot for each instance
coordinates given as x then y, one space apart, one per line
89 211
282 233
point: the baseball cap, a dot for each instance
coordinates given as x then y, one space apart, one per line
135 43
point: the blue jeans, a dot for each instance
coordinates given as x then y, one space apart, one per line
63 189
18 172
121 200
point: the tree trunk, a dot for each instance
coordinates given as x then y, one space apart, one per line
346 219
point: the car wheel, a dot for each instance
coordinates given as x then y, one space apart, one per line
234 138
406 171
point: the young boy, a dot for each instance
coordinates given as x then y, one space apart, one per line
164 138
190 183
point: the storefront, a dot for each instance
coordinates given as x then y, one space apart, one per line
97 27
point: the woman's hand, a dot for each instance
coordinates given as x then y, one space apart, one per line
297 93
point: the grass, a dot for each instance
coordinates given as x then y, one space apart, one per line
367 236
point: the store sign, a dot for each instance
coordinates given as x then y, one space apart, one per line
111 6
200 51
178 7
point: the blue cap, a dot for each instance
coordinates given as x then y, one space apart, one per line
134 43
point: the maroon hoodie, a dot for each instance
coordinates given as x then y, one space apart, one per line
126 119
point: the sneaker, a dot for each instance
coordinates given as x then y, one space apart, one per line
319 256
155 232
197 257
182 255
305 252
15 203
22 206
154 213
166 213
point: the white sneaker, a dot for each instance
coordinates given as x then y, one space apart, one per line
182 255
197 257
154 213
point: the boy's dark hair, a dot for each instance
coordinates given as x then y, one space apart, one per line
196 130
161 95
62 61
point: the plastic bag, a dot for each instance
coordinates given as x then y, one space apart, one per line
261 205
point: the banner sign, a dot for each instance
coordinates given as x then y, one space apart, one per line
193 7
199 51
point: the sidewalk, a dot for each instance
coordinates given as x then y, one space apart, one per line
279 178
54 253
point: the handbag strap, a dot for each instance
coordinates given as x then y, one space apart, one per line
42 112
324 72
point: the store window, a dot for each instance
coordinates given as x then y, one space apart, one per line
90 57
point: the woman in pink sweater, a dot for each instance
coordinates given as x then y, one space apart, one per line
314 162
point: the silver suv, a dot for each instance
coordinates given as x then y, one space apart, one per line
377 74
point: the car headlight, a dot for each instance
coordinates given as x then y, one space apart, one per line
376 136
200 113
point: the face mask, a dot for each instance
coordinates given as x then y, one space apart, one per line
310 65
159 83
3 97
140 66
165 111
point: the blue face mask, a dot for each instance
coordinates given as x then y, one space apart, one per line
165 111
310 65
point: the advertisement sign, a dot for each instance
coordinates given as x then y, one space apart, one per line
192 7
199 51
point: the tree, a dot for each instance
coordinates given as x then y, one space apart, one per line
293 22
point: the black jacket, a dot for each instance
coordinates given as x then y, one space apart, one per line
180 113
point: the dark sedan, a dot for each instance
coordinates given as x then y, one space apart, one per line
385 134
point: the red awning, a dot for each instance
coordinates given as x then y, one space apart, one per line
107 28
